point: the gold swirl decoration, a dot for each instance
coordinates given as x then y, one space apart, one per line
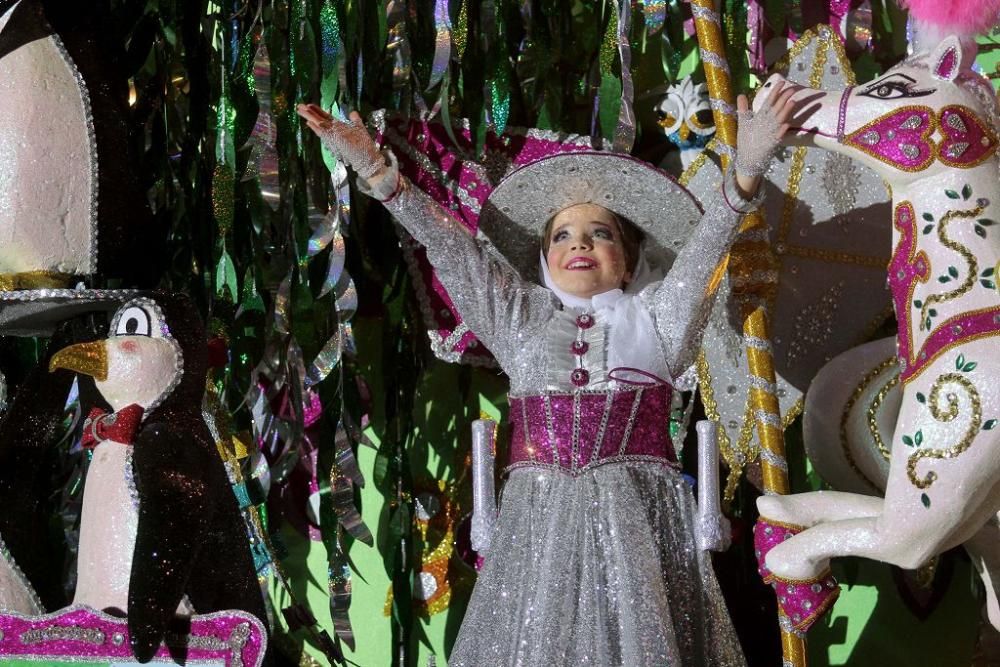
970 260
876 403
858 392
945 415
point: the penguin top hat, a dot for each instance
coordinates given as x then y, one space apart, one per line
140 363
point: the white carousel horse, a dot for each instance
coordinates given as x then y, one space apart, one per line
929 127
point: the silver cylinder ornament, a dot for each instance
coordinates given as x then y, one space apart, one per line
713 527
484 500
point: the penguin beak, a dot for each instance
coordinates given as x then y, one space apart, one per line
87 358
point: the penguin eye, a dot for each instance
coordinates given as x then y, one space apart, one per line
134 321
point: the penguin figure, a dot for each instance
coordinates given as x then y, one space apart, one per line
161 532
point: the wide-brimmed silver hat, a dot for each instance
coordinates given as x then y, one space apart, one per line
515 214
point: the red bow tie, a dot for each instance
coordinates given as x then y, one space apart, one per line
120 426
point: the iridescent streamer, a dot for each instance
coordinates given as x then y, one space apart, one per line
335 265
342 475
323 233
297 387
264 160
347 465
3 392
442 44
398 45
339 588
347 299
282 305
625 130
656 15
326 360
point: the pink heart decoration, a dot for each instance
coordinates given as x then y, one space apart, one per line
900 139
967 142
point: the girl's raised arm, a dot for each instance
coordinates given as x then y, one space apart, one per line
493 300
681 303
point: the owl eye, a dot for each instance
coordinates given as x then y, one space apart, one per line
702 120
664 118
134 321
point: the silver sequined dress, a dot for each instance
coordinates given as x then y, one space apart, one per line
589 564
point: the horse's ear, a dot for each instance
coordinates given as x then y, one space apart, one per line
946 59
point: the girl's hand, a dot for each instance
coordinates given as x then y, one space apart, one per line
760 133
349 141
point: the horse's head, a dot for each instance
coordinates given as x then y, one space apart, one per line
927 114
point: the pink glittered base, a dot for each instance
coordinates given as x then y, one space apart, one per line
803 602
233 637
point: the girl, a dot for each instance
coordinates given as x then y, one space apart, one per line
593 560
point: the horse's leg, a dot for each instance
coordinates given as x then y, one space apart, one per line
809 509
933 501
906 534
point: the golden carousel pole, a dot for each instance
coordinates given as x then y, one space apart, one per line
763 397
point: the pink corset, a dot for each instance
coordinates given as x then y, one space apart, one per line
578 431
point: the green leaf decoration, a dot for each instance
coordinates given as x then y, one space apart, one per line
925 500
986 222
989 425
953 272
971 366
927 323
951 194
960 362
966 191
932 312
907 440
918 438
928 229
980 231
988 284
921 398
225 278
944 279
987 272
917 303
928 217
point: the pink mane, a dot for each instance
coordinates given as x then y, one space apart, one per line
963 17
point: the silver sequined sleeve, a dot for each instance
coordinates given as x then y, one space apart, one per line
496 304
680 303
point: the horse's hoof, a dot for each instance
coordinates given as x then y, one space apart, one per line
804 601
766 535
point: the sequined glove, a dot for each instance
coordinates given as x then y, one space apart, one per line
760 132
351 142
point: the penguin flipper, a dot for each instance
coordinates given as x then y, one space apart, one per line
176 502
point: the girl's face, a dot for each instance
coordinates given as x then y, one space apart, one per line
586 255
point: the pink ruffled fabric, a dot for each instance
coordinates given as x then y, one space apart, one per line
963 17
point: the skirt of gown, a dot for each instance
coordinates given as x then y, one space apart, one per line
600 569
